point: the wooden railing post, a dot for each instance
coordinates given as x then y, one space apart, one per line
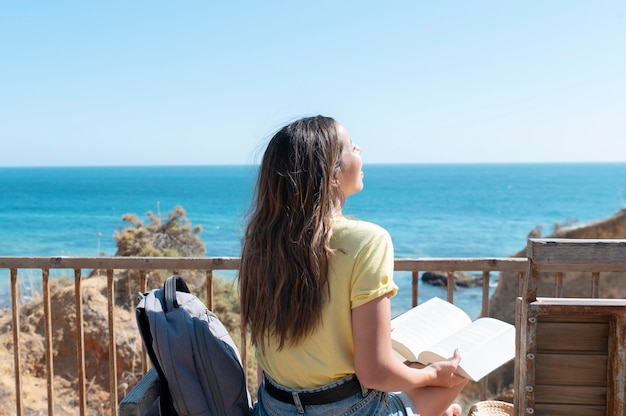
414 287
112 343
17 362
47 312
80 342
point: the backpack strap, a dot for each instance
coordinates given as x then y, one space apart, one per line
172 284
166 406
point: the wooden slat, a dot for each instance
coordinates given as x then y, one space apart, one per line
521 277
484 308
611 254
531 284
595 284
48 339
617 366
519 373
575 318
584 267
143 287
113 398
578 395
574 369
414 287
578 307
569 410
164 263
17 359
558 285
504 264
450 286
80 343
572 337
209 289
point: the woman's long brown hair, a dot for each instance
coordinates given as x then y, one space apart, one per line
284 262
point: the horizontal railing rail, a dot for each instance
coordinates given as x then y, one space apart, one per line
111 265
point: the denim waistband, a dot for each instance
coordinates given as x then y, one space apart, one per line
334 392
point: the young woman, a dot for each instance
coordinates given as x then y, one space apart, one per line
316 287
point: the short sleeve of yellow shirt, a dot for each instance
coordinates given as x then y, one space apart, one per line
370 253
360 270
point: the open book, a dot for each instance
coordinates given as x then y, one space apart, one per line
434 329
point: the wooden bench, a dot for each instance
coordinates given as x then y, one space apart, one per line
571 352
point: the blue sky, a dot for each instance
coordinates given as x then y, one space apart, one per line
194 83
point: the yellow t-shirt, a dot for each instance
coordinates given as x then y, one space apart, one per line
361 270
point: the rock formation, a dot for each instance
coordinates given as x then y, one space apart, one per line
461 279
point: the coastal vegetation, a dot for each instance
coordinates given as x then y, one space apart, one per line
170 238
173 237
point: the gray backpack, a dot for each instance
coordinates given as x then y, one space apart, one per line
199 366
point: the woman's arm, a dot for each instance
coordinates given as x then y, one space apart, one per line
375 364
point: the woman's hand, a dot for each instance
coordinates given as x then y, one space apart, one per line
444 372
375 364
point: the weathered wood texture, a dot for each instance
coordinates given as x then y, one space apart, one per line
571 354
578 254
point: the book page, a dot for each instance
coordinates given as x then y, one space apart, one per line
424 325
484 345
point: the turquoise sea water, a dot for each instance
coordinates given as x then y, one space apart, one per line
430 210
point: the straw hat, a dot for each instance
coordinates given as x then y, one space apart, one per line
491 408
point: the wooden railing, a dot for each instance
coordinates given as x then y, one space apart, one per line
110 266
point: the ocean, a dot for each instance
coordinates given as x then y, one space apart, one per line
431 210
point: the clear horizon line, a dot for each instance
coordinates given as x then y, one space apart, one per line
365 163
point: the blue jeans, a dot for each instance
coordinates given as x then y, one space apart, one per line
365 403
